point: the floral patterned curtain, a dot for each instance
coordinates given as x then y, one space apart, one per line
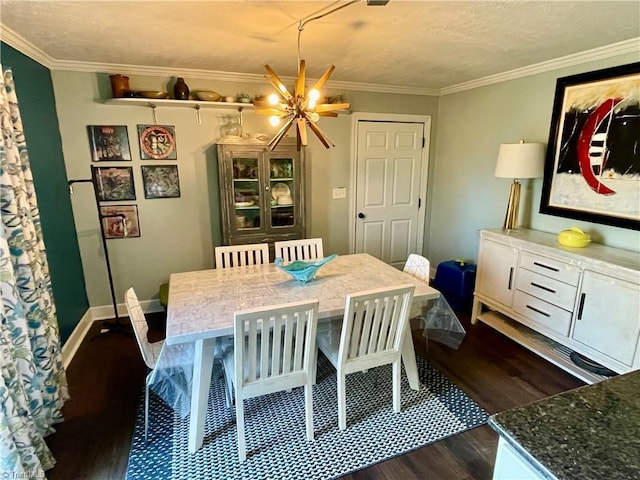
33 384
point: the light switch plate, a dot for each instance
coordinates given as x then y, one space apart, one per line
339 192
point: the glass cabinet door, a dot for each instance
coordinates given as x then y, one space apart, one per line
246 193
283 193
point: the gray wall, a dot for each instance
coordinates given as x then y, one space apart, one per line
179 234
466 195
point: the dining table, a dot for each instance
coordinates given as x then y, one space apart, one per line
202 304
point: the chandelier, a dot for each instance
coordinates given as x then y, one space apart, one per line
301 107
298 108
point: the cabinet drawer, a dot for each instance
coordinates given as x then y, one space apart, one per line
548 267
543 313
547 289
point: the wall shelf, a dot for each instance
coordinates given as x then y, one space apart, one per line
166 102
152 102
197 105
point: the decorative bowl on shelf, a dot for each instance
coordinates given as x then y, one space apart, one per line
303 271
153 94
208 96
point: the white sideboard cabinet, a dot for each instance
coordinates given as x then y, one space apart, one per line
555 300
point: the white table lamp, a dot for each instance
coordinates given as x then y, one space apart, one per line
518 160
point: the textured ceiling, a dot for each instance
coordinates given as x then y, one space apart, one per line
419 44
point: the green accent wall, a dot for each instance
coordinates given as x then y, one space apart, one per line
39 117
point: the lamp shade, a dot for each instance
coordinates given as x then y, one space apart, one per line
520 160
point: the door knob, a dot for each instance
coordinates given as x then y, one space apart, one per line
361 215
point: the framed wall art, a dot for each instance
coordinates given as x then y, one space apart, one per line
114 227
109 143
114 183
157 142
160 181
592 170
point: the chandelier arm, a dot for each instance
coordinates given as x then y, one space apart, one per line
270 111
319 133
278 136
324 78
300 82
276 82
327 114
328 107
302 130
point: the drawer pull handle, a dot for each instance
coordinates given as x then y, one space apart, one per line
583 297
546 289
538 311
510 278
553 269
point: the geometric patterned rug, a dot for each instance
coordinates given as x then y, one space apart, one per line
277 447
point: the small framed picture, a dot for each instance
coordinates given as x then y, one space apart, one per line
157 142
114 183
109 143
160 181
114 223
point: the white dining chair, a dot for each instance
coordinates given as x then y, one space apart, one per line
274 350
150 351
418 267
370 335
305 249
241 255
159 356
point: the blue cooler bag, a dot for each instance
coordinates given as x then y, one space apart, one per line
456 280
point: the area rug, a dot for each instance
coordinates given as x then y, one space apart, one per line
275 429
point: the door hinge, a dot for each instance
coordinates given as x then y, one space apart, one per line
423 142
419 202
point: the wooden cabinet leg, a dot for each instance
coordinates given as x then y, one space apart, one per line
476 310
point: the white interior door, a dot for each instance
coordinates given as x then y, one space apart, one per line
389 170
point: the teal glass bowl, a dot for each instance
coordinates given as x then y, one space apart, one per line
301 270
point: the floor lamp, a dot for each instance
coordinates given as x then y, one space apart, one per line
117 326
518 160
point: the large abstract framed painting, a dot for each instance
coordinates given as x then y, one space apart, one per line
592 170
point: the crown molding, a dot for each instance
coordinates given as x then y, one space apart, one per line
620 48
11 38
16 41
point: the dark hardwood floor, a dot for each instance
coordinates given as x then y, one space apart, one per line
107 374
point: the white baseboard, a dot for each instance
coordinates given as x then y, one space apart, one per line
103 312
70 347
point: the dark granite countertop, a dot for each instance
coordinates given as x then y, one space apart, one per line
591 432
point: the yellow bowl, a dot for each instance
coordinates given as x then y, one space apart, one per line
574 238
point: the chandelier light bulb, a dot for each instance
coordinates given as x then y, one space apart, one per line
273 99
314 117
274 120
312 103
314 95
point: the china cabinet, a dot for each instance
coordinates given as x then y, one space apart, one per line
556 300
261 192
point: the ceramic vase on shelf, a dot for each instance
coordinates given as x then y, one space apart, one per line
119 85
181 90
